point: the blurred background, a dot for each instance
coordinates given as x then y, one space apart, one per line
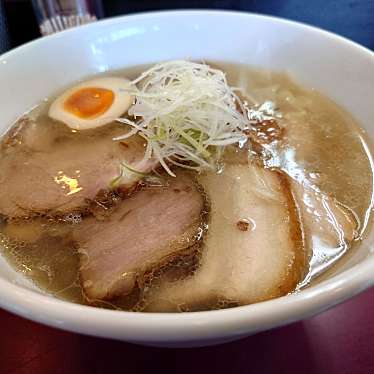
351 18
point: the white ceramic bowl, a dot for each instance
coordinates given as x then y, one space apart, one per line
337 67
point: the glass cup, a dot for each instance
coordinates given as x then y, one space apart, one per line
58 15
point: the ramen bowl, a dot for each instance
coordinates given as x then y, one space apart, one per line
339 68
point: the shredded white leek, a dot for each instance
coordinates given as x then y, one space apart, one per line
187 113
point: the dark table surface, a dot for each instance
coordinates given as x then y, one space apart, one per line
340 341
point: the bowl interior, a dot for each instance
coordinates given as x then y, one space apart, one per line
339 69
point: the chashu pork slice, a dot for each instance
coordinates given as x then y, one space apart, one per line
328 226
324 217
253 250
148 229
47 174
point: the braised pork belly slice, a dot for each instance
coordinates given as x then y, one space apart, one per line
323 217
253 249
146 230
45 174
328 226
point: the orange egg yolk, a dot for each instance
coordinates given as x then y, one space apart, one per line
89 102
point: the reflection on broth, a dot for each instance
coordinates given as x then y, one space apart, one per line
169 215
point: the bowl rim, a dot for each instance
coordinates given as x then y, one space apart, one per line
87 319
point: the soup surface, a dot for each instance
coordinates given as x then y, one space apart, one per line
281 209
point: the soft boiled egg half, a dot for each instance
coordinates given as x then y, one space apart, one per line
92 103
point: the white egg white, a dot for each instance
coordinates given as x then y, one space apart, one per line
122 102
